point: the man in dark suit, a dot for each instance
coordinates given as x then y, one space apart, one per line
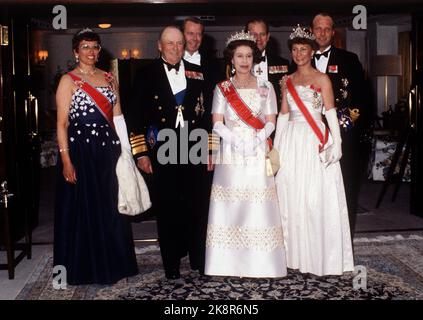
271 67
195 53
347 76
169 94
193 30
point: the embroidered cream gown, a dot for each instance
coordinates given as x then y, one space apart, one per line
311 197
244 232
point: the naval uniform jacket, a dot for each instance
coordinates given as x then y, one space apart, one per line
346 74
154 107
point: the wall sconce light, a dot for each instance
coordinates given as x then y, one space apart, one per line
42 55
130 54
104 25
135 54
124 53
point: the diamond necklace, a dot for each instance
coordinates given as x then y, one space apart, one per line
87 72
243 84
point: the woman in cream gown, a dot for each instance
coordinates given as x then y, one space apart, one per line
309 185
244 233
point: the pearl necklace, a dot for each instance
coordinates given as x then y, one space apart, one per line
87 72
243 84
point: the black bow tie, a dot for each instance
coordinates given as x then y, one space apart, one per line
318 55
263 59
172 66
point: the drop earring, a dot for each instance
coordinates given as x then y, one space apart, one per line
77 59
233 70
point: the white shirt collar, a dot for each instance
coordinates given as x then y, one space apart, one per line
195 58
177 81
261 69
327 49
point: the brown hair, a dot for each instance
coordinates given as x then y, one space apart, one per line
82 35
193 20
228 53
312 43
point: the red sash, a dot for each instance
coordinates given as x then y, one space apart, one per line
101 102
240 108
307 115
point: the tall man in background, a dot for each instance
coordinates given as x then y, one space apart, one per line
347 76
271 67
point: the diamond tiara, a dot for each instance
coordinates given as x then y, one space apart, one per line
85 30
241 36
300 32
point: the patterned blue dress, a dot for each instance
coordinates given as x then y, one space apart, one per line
91 238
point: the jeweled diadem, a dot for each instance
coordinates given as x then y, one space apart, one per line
241 36
300 32
85 30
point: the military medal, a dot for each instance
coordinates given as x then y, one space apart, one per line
199 107
333 69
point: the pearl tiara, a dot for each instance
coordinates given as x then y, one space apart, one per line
85 30
241 36
300 32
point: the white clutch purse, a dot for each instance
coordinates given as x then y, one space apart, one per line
133 197
272 162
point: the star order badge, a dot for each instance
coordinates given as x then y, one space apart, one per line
152 135
199 108
226 85
345 121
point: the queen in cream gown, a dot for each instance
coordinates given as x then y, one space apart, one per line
244 232
311 196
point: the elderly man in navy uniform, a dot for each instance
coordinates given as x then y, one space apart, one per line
347 76
168 94
272 67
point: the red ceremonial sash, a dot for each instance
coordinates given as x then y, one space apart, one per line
307 115
241 109
100 101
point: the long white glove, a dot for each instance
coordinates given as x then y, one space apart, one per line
122 132
335 152
236 142
281 124
265 133
262 135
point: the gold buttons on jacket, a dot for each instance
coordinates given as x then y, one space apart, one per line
160 108
156 97
163 119
193 121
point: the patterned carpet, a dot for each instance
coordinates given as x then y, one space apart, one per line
394 266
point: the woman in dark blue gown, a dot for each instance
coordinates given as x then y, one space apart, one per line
92 240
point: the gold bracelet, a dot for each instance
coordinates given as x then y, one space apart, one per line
64 150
